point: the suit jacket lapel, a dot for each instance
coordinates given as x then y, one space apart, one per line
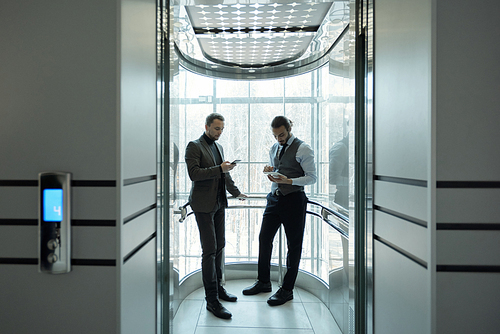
207 149
221 152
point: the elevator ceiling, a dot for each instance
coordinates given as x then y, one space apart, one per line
256 40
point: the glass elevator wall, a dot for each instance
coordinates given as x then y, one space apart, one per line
321 105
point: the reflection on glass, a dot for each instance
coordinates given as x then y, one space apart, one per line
320 104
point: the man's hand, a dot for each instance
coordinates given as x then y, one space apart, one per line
279 179
268 168
241 196
227 166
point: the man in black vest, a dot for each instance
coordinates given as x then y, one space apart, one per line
210 175
286 204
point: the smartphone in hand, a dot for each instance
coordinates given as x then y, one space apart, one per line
235 162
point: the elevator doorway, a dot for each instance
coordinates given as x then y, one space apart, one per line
321 102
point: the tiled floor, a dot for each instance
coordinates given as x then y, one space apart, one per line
305 314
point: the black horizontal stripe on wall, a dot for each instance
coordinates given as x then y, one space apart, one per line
401 180
468 226
468 184
74 183
74 222
141 179
138 248
11 260
94 262
93 183
18 222
402 216
401 251
74 262
138 213
93 222
467 268
18 183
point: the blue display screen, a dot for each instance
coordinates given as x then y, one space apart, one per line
52 205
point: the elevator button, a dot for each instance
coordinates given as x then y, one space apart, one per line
52 244
52 258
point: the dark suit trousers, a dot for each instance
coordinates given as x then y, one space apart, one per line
290 211
212 237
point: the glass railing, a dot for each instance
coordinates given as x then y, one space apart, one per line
322 250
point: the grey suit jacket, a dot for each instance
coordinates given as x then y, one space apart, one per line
205 175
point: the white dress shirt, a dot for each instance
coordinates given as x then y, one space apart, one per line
304 156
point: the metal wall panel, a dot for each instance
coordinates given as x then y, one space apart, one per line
138 165
468 303
88 203
468 205
84 299
402 233
138 230
402 161
138 88
400 303
480 248
58 89
402 49
401 198
87 242
138 292
467 79
137 197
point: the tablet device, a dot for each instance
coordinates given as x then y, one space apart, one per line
275 174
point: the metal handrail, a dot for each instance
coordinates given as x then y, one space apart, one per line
325 212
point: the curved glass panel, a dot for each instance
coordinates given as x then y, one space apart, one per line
257 39
321 105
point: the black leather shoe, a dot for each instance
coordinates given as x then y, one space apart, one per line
224 295
218 310
280 297
257 287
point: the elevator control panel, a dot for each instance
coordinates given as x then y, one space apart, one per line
54 222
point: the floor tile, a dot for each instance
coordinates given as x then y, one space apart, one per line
232 330
186 318
197 294
321 319
305 314
306 297
236 287
259 314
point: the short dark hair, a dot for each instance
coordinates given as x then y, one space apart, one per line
279 121
213 116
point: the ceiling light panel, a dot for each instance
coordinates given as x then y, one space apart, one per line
264 27
268 40
266 18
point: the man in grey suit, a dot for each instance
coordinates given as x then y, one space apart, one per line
210 178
